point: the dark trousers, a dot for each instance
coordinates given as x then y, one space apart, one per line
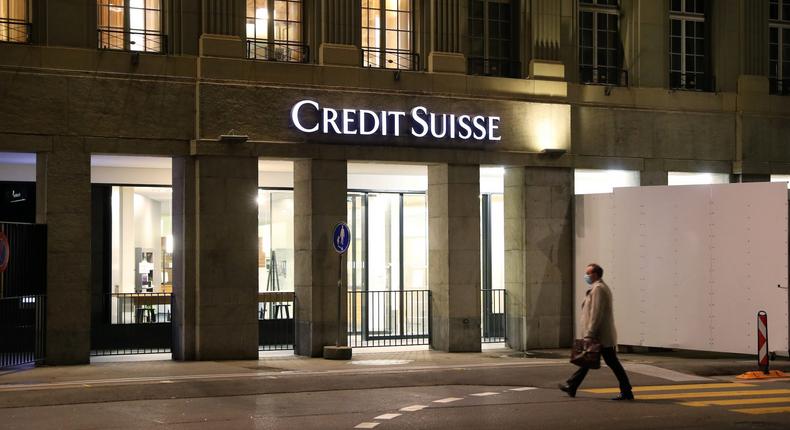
610 358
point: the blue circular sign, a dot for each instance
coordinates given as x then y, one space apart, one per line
341 238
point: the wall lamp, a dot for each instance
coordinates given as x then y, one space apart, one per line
233 138
552 152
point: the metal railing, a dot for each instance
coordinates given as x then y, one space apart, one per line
132 40
131 323
140 308
22 330
14 30
276 320
389 318
493 67
692 81
390 59
278 50
780 87
603 76
493 320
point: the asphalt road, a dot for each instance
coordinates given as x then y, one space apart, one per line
462 397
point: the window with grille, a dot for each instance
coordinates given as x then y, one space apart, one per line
779 47
131 25
387 34
274 30
491 44
599 42
688 56
14 24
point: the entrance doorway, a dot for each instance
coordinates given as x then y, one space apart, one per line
388 297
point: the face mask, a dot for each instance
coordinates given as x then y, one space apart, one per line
588 279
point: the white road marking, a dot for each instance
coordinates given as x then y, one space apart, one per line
487 393
366 425
387 416
413 408
523 389
658 372
448 400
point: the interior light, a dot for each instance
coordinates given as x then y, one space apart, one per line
169 244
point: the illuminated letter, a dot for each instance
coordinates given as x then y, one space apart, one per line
398 115
368 113
295 116
434 133
452 126
479 123
463 124
330 116
347 120
416 118
493 124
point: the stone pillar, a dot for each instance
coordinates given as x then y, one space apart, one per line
63 203
545 15
184 258
653 173
454 256
751 177
644 26
226 17
215 220
539 257
754 37
320 192
445 50
341 30
223 27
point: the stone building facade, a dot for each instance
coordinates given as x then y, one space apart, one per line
67 93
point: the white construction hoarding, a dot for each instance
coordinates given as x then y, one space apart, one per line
689 266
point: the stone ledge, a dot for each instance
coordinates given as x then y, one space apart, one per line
331 54
446 62
218 45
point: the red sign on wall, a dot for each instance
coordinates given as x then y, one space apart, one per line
5 252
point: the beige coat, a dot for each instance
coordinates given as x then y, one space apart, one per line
597 316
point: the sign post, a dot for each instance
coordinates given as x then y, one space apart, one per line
341 239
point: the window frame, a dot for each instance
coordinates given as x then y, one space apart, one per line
596 8
513 65
273 49
384 52
105 31
10 23
683 16
779 83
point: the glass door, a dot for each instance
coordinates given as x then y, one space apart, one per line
492 211
387 266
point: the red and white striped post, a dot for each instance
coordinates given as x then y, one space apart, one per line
762 341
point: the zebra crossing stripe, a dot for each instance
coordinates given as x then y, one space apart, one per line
735 402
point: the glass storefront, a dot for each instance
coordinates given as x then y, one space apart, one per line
275 240
142 254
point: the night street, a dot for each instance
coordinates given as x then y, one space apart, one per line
426 390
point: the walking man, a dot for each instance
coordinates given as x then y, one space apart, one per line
597 318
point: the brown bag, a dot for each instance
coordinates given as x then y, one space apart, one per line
586 353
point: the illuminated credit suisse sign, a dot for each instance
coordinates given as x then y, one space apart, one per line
419 122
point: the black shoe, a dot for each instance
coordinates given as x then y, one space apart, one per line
625 396
567 388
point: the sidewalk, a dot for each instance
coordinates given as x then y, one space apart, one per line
701 364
